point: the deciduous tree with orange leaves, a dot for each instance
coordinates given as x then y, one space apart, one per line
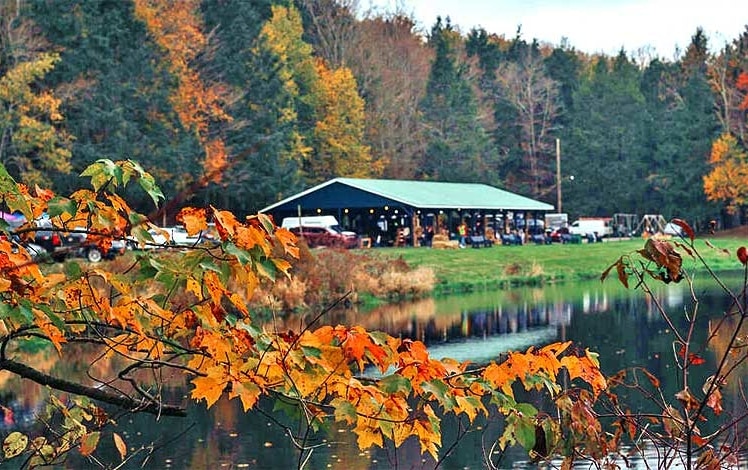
728 179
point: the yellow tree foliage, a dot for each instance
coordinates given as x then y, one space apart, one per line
282 36
728 179
176 26
339 149
31 140
187 315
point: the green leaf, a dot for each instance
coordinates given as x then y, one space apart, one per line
73 270
440 390
23 313
59 205
101 173
149 186
344 410
12 197
14 444
5 310
241 255
311 352
524 431
395 384
267 269
527 409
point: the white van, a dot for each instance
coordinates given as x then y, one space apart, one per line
600 227
321 230
326 221
312 221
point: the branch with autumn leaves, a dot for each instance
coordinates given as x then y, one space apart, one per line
189 314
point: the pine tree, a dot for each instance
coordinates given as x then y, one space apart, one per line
458 148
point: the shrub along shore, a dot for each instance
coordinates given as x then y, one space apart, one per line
473 269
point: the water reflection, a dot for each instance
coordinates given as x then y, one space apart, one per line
622 325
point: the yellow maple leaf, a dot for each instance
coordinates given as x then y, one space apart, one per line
250 237
470 407
208 388
368 436
226 224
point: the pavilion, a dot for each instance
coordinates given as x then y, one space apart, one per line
378 207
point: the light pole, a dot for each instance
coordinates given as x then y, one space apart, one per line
558 175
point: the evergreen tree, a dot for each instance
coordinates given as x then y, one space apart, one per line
680 102
265 141
458 148
606 148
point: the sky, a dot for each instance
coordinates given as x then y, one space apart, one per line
591 26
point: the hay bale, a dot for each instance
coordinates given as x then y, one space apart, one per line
443 242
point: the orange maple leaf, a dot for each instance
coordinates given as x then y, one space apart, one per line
226 224
193 219
287 241
585 368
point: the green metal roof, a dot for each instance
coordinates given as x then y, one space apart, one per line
435 195
420 194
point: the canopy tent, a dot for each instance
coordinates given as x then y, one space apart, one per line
359 203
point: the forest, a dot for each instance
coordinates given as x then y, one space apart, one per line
239 104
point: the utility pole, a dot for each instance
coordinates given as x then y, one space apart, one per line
558 175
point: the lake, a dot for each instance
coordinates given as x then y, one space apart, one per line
622 325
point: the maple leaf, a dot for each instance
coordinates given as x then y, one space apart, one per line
226 224
248 393
287 241
54 334
344 410
368 436
89 442
587 369
193 219
249 237
471 406
208 388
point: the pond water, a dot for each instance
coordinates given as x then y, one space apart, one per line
622 325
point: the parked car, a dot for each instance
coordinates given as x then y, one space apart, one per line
63 245
178 236
325 236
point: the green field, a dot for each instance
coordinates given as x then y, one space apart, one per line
474 269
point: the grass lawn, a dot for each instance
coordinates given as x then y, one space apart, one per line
475 269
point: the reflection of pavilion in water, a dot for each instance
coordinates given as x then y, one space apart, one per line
421 321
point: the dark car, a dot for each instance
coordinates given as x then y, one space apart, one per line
325 236
63 245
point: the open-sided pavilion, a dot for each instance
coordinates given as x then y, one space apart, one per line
378 207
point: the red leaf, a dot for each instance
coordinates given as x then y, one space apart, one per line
695 359
686 228
743 255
